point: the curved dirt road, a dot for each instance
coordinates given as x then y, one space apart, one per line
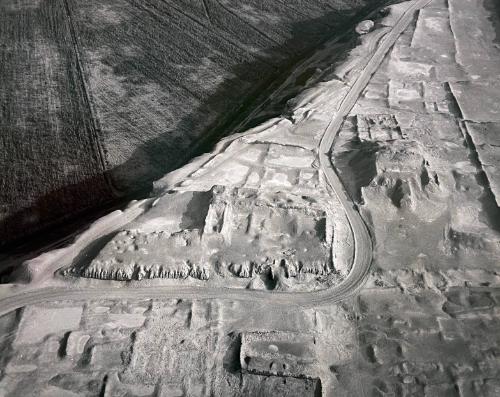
20 296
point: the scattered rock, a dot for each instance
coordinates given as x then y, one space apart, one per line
365 27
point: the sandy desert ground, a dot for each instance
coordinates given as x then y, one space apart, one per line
347 246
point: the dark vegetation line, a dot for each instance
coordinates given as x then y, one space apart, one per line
152 10
94 129
249 24
223 34
298 12
173 80
207 11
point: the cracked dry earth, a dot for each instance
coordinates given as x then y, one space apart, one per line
418 154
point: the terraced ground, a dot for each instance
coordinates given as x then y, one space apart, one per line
100 98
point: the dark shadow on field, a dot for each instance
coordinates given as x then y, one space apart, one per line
53 221
232 101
